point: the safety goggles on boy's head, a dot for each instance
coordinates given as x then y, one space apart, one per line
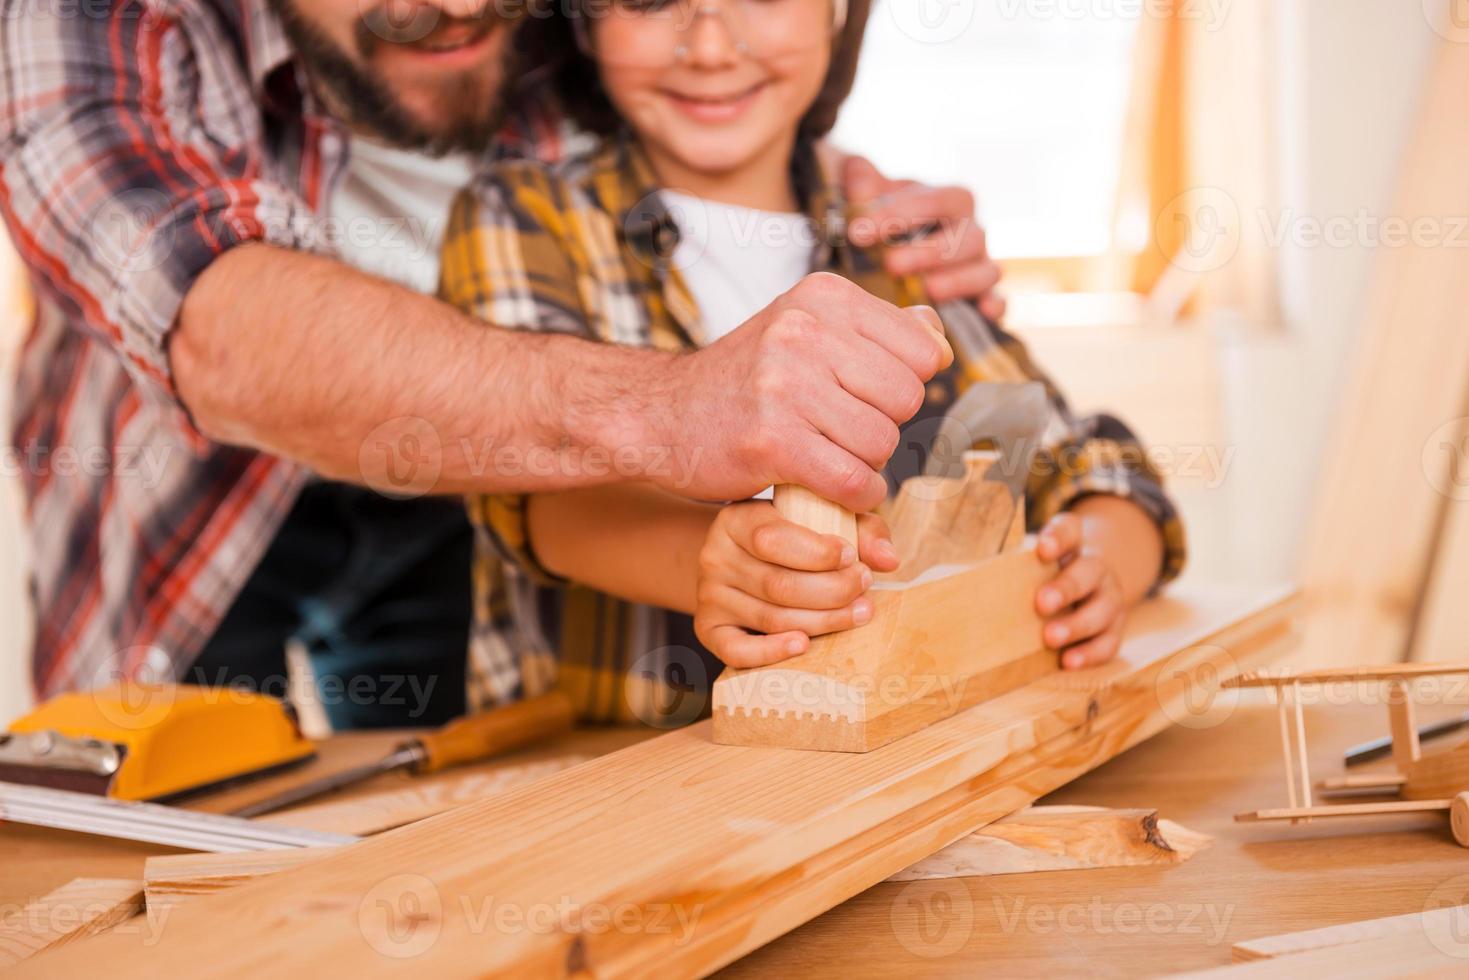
654 33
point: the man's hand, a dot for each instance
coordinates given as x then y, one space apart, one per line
947 246
1110 552
766 585
809 391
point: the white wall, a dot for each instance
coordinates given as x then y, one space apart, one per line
1351 79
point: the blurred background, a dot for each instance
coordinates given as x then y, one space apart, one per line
1233 223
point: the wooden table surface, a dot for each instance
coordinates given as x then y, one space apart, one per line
1255 880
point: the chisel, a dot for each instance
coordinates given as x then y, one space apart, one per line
468 739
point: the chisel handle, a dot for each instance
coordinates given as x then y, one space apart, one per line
490 733
800 506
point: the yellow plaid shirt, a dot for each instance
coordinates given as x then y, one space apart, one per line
584 248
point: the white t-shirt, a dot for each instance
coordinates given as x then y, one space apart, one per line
737 260
390 208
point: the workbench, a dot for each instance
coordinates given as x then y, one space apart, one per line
1255 880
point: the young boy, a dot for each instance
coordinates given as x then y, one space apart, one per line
704 202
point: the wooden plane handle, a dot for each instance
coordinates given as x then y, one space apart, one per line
800 506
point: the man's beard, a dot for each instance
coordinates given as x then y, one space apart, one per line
367 101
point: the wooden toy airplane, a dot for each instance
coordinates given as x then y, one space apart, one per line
1437 782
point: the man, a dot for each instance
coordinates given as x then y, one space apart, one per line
197 187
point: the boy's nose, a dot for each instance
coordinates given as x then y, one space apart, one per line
714 38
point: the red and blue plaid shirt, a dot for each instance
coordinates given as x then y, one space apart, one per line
139 139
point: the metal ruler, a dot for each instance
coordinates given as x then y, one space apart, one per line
152 822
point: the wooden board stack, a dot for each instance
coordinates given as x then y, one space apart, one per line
679 854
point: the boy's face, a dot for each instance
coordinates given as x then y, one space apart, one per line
717 85
424 74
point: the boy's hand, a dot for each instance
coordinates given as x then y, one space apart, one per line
1085 605
766 585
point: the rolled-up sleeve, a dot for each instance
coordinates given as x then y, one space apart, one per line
127 165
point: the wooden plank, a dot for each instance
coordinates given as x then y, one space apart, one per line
1287 677
1387 473
171 879
1345 934
680 854
372 813
81 907
1061 838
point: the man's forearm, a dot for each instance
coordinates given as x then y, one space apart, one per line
364 381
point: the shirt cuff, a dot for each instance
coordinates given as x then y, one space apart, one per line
502 521
1102 466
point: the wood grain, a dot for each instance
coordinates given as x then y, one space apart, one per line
375 812
171 879
708 850
82 907
1438 776
1061 838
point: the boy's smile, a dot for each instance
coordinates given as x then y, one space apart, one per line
716 108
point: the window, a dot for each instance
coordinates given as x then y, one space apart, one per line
1022 101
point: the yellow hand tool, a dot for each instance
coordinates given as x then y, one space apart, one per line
468 739
136 741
